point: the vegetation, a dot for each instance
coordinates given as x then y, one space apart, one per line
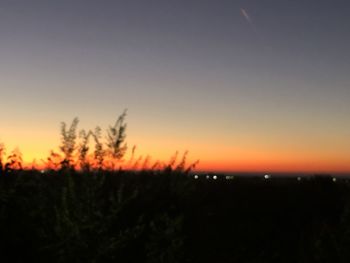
84 208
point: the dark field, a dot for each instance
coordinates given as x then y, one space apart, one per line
170 217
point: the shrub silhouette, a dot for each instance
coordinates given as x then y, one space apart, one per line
77 154
84 149
2 153
14 161
68 143
106 153
81 208
99 152
116 137
54 161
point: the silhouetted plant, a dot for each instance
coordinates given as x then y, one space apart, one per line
14 161
146 163
191 167
2 153
116 137
173 159
136 164
54 161
68 142
155 166
99 153
181 166
58 215
84 149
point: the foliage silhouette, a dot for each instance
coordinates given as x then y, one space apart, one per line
84 149
2 153
99 153
68 142
116 137
79 207
14 161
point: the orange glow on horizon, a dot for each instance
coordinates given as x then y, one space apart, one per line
246 164
246 156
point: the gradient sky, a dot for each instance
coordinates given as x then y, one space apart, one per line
243 85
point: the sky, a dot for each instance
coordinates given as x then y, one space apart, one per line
242 85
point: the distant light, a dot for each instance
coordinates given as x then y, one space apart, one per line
299 178
208 177
215 177
229 177
267 176
334 179
42 171
196 177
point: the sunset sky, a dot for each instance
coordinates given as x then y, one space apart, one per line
243 85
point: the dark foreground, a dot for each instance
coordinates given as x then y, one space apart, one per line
169 217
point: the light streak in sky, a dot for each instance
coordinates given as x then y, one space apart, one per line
246 16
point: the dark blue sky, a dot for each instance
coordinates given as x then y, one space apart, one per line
275 78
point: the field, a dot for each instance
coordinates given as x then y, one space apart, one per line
168 216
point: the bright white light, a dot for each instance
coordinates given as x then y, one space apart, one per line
215 177
196 177
334 179
267 176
